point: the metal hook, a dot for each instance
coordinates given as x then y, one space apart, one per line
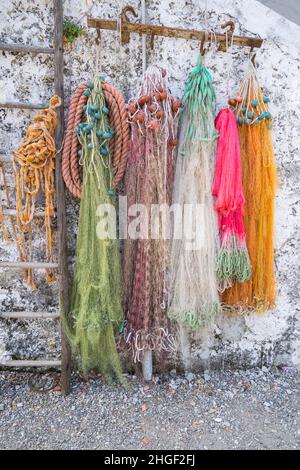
252 57
204 39
223 46
152 41
128 9
98 37
231 25
124 19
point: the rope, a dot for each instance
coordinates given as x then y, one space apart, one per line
144 38
3 228
34 164
71 166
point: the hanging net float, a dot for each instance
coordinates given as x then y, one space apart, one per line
250 105
83 119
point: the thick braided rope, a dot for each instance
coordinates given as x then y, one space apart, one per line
67 174
114 117
119 143
74 162
112 141
119 158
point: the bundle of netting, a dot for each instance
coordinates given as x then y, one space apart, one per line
34 164
193 285
96 306
259 184
233 262
149 183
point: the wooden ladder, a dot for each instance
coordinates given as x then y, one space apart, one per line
65 361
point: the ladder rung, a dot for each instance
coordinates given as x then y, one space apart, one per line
23 48
4 157
28 265
30 363
13 212
19 105
31 315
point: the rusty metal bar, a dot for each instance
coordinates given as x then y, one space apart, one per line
152 30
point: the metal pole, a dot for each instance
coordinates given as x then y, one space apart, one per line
147 365
147 359
144 37
185 347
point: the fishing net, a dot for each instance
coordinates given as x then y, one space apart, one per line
149 181
193 286
259 184
233 262
96 310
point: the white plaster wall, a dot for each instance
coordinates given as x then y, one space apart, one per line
235 342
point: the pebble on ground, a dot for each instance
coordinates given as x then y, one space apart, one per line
253 409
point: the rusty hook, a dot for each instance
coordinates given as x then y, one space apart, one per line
124 19
152 42
204 39
231 25
98 37
223 45
125 10
252 57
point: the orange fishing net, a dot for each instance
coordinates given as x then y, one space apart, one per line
34 164
259 184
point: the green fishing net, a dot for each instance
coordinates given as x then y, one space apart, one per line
96 311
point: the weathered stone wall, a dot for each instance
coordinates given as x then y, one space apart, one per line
230 342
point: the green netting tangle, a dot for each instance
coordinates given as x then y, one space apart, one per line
96 310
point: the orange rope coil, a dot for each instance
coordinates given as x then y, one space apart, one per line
119 144
34 165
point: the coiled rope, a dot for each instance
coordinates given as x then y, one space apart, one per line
119 144
34 164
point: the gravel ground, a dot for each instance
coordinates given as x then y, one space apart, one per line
254 409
